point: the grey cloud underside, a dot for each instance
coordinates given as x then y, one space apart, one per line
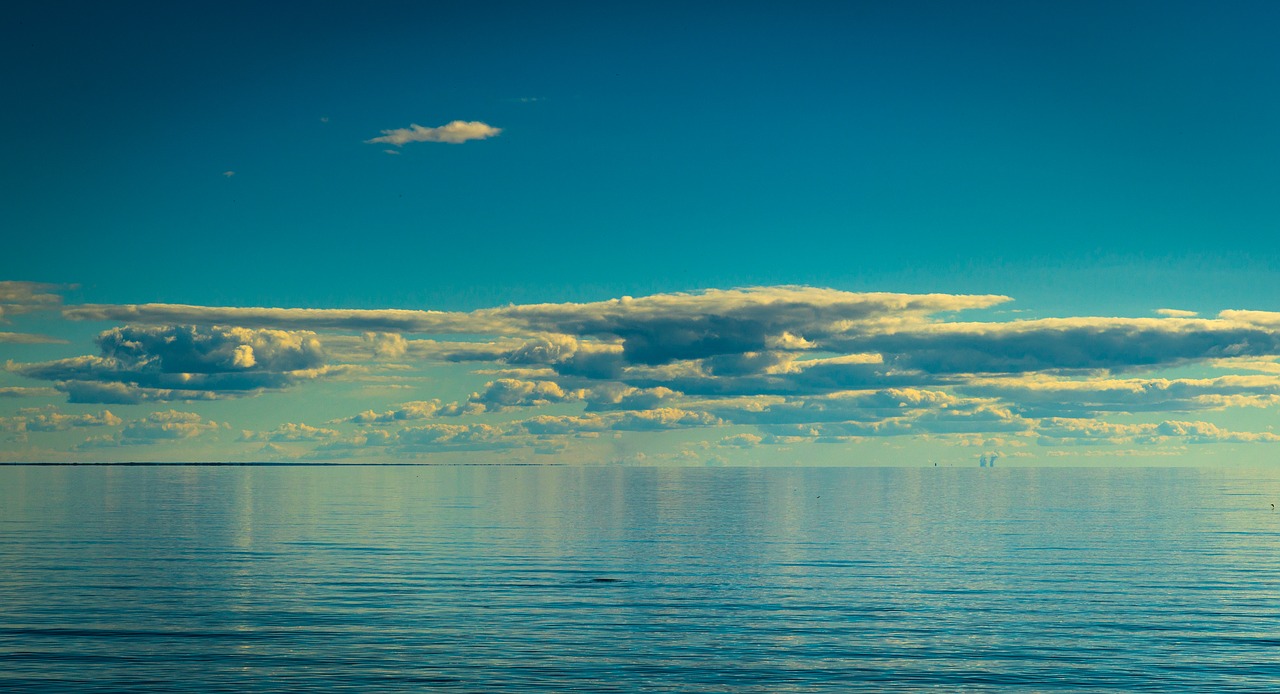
1048 397
144 363
1053 345
652 330
132 394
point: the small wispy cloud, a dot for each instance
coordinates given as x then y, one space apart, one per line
23 392
1176 313
228 174
30 339
453 133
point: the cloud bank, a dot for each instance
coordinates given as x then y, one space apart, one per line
738 369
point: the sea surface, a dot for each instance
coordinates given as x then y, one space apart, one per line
556 579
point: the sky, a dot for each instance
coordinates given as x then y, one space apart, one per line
906 233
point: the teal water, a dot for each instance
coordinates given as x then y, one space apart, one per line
503 579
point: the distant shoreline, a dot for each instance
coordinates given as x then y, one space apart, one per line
269 464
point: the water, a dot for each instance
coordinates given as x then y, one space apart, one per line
509 579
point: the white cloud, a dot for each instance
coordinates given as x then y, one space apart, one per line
1086 432
455 132
741 441
403 413
49 418
291 432
665 418
167 425
506 393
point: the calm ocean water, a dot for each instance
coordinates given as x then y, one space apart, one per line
504 579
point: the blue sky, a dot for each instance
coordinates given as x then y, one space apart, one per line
1088 161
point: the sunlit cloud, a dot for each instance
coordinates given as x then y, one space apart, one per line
730 368
50 418
291 431
455 132
140 363
168 426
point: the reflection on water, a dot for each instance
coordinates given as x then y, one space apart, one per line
638 579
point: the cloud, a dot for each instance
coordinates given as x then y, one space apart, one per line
1063 344
665 418
965 418
795 364
291 432
167 425
847 406
431 438
141 363
157 427
49 418
392 320
552 425
741 441
1266 319
25 392
1089 432
496 396
31 293
1268 364
30 339
1176 313
695 324
506 393
405 412
189 350
455 132
129 394
26 297
665 328
616 396
1048 396
386 345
